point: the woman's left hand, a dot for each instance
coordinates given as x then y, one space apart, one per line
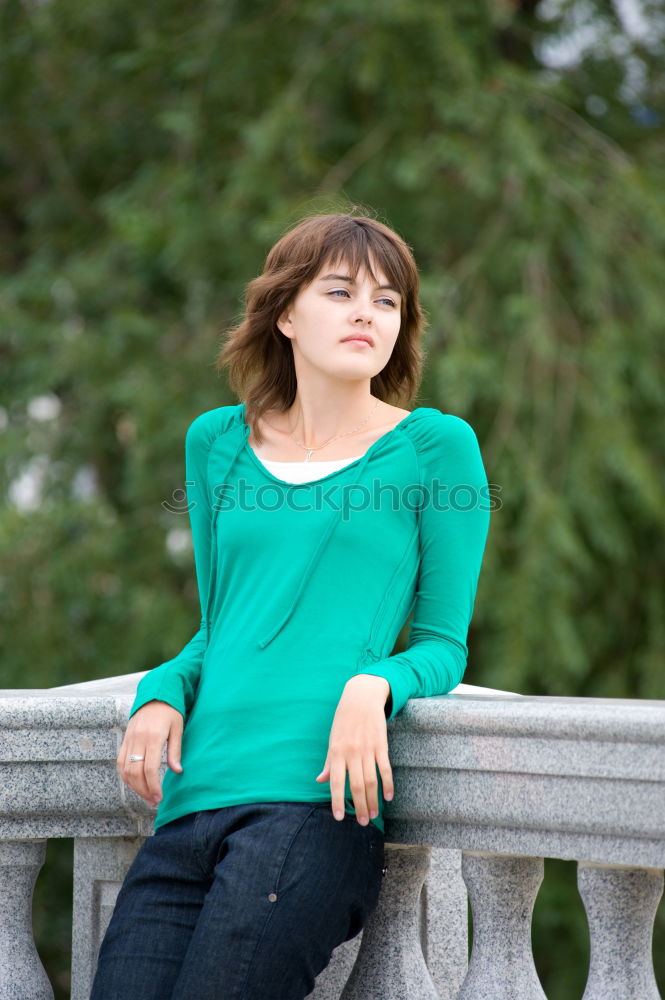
358 742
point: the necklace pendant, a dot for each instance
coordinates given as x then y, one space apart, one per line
309 454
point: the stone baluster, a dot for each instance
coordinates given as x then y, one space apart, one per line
620 903
502 890
100 866
22 975
445 922
390 962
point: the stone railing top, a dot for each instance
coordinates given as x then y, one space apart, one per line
477 768
468 709
91 703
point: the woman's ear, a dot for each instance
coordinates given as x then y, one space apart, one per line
283 323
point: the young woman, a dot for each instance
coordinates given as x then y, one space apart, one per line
322 513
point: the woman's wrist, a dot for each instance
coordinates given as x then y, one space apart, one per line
374 683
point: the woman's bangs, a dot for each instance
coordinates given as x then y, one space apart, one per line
358 252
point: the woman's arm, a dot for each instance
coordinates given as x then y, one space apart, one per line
454 524
175 681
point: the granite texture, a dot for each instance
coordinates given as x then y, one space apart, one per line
444 922
620 905
100 865
502 891
22 975
390 961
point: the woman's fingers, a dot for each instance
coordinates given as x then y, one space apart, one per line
359 790
132 772
146 734
337 782
142 776
371 786
363 780
174 745
153 757
386 772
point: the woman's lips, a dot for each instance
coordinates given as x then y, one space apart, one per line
357 342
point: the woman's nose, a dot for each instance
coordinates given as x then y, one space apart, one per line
363 312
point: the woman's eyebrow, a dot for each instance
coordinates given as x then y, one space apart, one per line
349 279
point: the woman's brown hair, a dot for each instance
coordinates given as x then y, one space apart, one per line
259 358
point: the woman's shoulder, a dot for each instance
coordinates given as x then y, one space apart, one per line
211 423
445 443
436 434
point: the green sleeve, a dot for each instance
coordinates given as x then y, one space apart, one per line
176 680
452 542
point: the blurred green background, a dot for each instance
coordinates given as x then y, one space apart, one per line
150 155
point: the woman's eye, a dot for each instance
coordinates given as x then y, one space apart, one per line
383 298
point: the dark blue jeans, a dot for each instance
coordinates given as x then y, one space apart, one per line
242 903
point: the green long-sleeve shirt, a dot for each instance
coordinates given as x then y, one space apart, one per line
304 585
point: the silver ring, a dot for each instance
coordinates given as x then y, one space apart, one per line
135 756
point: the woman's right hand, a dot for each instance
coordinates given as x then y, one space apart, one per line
154 724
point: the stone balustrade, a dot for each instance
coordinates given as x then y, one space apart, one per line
487 784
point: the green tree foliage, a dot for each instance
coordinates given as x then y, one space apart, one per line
150 154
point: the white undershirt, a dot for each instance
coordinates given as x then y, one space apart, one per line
304 472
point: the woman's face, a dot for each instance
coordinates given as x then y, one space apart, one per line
333 307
